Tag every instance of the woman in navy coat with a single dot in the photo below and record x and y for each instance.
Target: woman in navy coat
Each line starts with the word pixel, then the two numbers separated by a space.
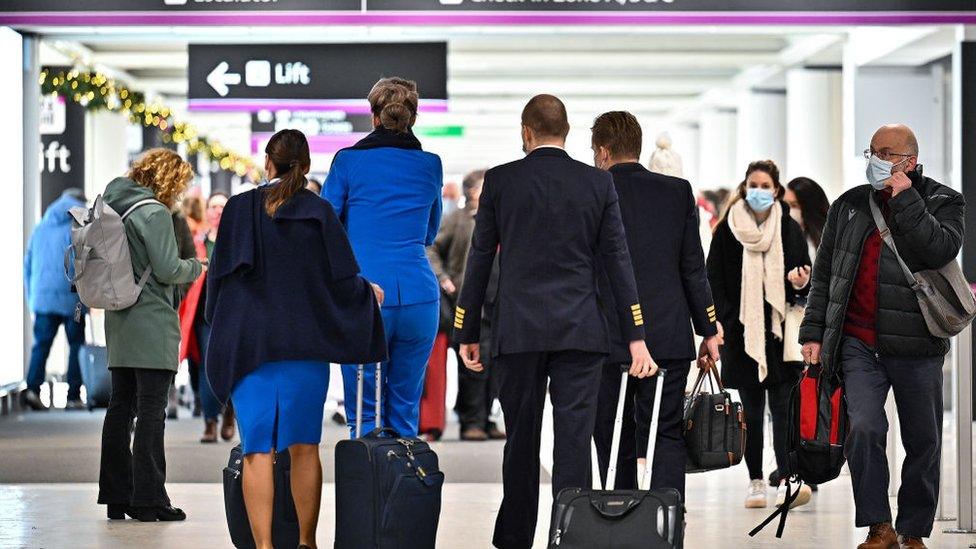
pixel 284 300
pixel 386 191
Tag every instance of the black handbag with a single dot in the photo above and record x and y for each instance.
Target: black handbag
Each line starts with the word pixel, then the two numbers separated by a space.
pixel 714 424
pixel 620 519
pixel 284 523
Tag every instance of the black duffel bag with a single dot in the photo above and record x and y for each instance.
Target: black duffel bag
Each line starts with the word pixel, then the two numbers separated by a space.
pixel 714 424
pixel 284 525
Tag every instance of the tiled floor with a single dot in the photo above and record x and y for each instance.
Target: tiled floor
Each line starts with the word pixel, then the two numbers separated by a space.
pixel 55 516
pixel 49 469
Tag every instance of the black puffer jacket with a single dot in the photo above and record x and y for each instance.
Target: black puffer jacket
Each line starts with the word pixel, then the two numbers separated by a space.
pixel 927 223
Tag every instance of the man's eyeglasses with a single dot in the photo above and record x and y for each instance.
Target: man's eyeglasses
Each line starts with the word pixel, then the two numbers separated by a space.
pixel 884 155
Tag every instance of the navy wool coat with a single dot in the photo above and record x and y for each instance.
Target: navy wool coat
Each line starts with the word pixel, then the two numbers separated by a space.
pixel 286 288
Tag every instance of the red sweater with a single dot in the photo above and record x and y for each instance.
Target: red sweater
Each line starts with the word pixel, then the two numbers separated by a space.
pixel 862 307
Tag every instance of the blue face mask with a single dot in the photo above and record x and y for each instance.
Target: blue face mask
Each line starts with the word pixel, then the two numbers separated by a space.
pixel 879 171
pixel 760 200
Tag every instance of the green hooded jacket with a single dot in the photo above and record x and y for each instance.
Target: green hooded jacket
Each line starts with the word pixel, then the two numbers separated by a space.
pixel 147 334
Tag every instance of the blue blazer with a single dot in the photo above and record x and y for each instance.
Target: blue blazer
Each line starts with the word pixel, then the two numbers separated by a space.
pixel 389 199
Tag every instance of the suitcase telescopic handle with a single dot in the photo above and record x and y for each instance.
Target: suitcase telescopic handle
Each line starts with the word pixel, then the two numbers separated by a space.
pixel 360 377
pixel 618 427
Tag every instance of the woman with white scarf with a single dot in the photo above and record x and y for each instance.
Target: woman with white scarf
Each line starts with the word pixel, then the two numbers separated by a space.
pixel 758 266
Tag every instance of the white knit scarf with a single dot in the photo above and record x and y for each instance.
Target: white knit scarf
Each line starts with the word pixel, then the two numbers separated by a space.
pixel 763 276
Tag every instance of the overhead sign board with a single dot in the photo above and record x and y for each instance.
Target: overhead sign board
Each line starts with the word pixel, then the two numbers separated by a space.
pixel 311 122
pixel 304 13
pixel 259 6
pixel 670 5
pixel 242 77
pixel 177 5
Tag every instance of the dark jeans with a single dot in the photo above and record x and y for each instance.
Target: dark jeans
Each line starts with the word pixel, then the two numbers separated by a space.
pixel 670 455
pixel 754 407
pixel 574 381
pixel 45 329
pixel 917 383
pixel 137 476
pixel 477 392
pixel 208 400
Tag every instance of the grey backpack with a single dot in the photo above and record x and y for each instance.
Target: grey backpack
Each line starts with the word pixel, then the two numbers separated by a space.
pixel 99 255
pixel 943 294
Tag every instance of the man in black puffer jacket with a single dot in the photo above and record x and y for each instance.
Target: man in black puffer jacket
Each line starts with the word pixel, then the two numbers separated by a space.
pixel 863 321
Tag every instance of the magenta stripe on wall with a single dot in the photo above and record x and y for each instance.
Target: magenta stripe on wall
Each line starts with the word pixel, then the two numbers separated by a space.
pixel 483 18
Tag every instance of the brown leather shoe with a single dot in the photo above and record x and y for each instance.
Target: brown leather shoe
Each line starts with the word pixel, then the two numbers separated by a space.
pixel 881 536
pixel 209 433
pixel 474 434
pixel 494 433
pixel 228 429
pixel 910 542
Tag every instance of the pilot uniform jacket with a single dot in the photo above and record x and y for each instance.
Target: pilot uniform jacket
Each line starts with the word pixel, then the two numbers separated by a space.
pixel 551 219
pixel 660 217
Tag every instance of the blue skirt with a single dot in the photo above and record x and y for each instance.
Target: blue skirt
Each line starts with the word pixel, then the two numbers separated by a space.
pixel 281 404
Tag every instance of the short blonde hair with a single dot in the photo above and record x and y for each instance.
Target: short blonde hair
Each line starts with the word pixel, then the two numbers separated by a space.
pixel 164 172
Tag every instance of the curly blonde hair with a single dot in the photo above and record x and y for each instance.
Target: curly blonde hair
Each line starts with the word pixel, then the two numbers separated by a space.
pixel 163 171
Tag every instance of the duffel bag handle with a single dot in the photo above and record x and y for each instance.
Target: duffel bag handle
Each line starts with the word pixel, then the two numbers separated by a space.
pixel 710 371
pixel 379 431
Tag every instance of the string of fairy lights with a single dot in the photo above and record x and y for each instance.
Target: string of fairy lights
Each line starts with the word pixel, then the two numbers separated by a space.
pixel 95 91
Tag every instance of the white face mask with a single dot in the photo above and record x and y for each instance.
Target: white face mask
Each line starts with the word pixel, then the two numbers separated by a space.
pixel 879 171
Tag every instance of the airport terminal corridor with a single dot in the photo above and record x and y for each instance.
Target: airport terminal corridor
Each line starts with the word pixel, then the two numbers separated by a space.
pixel 524 209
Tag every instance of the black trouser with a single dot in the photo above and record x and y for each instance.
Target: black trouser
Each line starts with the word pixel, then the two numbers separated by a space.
pixel 477 392
pixel 574 380
pixel 754 407
pixel 137 476
pixel 917 383
pixel 670 455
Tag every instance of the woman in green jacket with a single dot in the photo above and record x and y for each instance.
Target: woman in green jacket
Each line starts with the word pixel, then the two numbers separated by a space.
pixel 143 341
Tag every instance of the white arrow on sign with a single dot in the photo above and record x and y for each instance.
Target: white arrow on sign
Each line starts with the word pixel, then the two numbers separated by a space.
pixel 219 78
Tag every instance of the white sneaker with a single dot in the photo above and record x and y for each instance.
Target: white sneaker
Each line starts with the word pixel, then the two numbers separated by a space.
pixel 756 497
pixel 804 498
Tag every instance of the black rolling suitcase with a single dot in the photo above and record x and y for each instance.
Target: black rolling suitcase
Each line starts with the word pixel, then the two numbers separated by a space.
pixel 620 519
pixel 388 487
pixel 284 522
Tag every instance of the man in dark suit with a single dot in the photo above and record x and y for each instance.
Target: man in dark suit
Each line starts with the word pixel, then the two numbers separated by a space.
pixel 551 219
pixel 660 217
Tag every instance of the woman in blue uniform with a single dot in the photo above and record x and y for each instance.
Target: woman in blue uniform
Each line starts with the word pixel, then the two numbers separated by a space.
pixel 387 192
pixel 284 299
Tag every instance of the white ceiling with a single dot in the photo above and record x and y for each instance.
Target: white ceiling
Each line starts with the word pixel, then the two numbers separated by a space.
pixel 665 76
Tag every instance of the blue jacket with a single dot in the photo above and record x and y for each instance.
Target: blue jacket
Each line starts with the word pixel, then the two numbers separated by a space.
pixel 387 192
pixel 48 291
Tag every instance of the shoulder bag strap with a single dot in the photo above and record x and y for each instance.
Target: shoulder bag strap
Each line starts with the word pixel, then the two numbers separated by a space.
pixel 139 204
pixel 890 241
pixel 145 275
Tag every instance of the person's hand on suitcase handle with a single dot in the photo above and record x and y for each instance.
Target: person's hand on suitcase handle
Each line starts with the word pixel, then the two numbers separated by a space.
pixel 642 365
pixel 471 355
